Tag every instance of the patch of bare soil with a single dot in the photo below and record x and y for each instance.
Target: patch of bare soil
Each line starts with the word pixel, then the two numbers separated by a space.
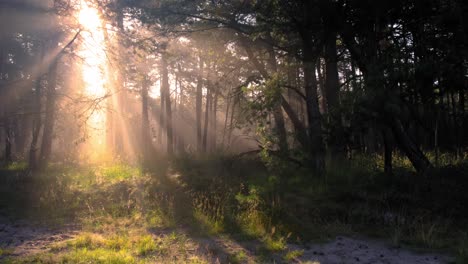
pixel 349 250
pixel 21 238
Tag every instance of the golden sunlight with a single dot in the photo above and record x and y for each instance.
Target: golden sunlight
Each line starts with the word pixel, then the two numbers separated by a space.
pixel 94 72
pixel 88 17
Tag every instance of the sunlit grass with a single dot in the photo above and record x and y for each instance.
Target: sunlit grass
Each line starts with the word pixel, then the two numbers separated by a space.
pixel 126 215
pixel 238 257
pixel 293 255
pixel 145 245
pixel 118 172
pixel 17 166
pixel 99 255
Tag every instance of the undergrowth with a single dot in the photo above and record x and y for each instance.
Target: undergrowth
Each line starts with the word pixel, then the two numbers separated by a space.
pixel 120 208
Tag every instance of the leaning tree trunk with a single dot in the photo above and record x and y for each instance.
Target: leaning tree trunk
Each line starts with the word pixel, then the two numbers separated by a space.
pixel 412 151
pixel 277 111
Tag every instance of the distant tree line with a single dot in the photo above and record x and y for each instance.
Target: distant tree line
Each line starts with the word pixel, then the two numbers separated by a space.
pixel 304 79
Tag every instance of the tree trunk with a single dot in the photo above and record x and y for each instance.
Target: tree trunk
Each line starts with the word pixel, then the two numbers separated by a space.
pixel 167 96
pixel 214 122
pixel 388 150
pixel 228 104
pixel 332 93
pixel 205 127
pixel 199 103
pixel 37 125
pixel 277 111
pixel 162 120
pixel 412 151
pixel 316 147
pixel 47 137
pixel 145 128
pixel 8 139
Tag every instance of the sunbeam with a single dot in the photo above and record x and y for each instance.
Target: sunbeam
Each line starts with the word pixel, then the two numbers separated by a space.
pixel 94 72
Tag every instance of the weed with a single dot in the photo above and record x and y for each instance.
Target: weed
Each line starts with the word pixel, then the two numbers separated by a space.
pixel 238 257
pixel 17 166
pixel 293 255
pixel 145 245
pixel 275 244
pixel 6 251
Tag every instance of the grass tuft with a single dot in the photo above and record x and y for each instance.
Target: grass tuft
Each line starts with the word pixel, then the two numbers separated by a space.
pixel 145 245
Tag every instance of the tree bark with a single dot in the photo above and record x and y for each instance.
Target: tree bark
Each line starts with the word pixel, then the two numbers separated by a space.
pixel 332 93
pixel 207 116
pixel 277 111
pixel 49 123
pixel 37 125
pixel 8 139
pixel 388 151
pixel 145 128
pixel 316 147
pixel 412 151
pixel 199 103
pixel 214 122
pixel 162 107
pixel 167 97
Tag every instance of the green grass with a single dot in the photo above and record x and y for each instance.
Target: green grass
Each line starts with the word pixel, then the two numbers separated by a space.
pixel 146 245
pixel 292 255
pixel 5 251
pixel 17 166
pixel 238 257
pixel 118 172
pixel 99 255
pixel 118 207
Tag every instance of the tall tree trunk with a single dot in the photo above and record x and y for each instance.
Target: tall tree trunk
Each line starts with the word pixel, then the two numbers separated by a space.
pixel 145 128
pixel 332 90
pixel 8 139
pixel 47 137
pixel 388 150
pixel 277 111
pixel 20 129
pixel 207 117
pixel 321 78
pixel 167 97
pixel 228 104
pixel 162 107
pixel 316 147
pixel 214 122
pixel 37 125
pixel 199 102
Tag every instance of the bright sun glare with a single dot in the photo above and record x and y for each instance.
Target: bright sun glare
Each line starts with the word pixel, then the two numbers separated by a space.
pixel 94 69
pixel 89 17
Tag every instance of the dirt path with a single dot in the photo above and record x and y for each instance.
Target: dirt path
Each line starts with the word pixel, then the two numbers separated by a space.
pixel 349 250
pixel 21 239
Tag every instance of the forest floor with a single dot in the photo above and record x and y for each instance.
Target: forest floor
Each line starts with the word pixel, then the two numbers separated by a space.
pixel 24 242
pixel 107 215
